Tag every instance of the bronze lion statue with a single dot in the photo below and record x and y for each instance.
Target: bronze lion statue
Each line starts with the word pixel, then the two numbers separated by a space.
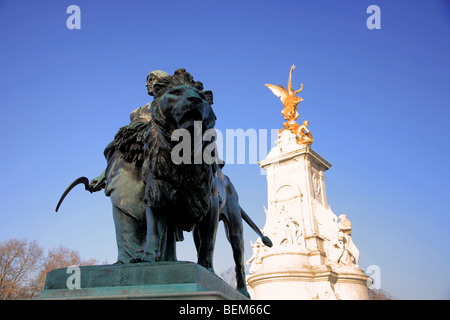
pixel 155 196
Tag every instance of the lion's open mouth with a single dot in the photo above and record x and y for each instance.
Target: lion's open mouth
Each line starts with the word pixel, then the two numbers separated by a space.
pixel 189 119
pixel 193 119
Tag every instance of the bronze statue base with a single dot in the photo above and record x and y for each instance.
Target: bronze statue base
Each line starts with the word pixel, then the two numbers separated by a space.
pixel 140 281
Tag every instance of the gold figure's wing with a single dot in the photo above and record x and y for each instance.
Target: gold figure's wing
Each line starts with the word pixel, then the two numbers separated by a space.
pixel 280 92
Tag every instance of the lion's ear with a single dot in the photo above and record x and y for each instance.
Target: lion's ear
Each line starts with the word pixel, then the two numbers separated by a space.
pixel 209 96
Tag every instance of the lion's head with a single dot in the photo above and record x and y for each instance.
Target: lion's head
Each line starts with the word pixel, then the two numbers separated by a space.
pixel 179 102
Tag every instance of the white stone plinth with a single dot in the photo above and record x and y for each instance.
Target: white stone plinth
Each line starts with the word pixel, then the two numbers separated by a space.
pixel 308 283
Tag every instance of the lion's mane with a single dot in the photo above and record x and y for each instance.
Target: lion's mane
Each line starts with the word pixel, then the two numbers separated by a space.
pixel 182 191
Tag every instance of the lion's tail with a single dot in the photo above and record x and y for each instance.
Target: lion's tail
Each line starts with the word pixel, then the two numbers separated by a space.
pixel 266 240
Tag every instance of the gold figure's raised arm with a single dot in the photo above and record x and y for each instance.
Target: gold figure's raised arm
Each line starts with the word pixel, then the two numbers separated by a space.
pixel 299 90
pixel 291 92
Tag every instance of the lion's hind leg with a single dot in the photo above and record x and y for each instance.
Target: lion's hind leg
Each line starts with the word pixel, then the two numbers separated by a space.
pixel 234 231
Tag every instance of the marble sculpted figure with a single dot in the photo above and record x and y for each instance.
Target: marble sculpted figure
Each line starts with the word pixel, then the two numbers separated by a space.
pixel 342 251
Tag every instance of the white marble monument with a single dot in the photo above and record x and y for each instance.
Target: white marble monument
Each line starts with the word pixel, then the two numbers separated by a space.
pixel 313 255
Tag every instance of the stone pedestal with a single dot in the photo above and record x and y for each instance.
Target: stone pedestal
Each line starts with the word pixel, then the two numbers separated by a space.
pixel 157 281
pixel 313 256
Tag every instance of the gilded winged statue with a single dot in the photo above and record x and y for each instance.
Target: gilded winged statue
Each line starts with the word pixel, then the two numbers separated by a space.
pixel 290 102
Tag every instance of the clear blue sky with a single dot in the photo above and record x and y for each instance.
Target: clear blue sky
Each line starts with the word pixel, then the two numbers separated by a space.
pixel 376 101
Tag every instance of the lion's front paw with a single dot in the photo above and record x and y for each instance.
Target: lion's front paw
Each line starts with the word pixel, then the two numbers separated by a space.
pixel 143 256
pixel 139 257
